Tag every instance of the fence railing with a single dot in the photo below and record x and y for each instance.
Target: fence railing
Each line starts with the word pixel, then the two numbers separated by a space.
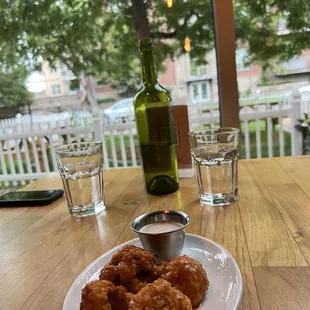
pixel 267 131
pixel 45 122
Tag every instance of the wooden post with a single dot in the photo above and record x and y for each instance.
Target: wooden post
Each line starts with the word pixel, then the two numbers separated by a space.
pixel 296 136
pixel 224 28
pixel 99 136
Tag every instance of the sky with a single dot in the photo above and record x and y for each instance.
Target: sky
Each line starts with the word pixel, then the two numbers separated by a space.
pixel 35 83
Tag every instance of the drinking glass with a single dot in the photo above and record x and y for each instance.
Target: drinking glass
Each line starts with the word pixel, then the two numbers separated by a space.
pixel 81 168
pixel 215 153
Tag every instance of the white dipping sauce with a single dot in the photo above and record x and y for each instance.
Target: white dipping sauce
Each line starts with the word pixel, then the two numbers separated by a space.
pixel 161 227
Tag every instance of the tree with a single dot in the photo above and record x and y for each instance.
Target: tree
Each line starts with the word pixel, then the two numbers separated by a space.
pixel 274 30
pixel 13 92
pixel 94 37
pixel 99 37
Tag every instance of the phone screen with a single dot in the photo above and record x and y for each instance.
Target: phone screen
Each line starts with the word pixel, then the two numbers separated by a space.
pixel 31 195
pixel 30 198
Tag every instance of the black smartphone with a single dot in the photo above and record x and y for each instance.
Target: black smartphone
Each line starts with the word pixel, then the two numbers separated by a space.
pixel 30 198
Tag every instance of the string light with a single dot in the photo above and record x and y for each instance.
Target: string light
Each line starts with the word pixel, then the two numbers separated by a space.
pixel 169 3
pixel 187 44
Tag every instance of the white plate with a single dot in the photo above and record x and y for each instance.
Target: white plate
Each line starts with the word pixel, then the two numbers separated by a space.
pixel 225 289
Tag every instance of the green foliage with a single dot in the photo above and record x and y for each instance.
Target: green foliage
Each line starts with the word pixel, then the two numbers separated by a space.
pixel 304 125
pixel 106 100
pixel 266 82
pixel 12 87
pixel 257 26
pixel 99 37
pixel 264 141
pixel 74 84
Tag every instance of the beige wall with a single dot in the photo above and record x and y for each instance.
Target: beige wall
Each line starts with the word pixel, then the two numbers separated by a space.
pixel 54 78
pixel 51 104
pixel 182 72
pixel 106 91
pixel 212 70
pixel 247 78
pixel 177 78
pixel 183 77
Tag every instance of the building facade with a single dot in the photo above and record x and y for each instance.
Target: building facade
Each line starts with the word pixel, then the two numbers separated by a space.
pixel 188 84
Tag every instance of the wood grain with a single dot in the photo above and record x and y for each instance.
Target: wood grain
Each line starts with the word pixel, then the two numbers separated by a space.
pixel 185 200
pixel 283 287
pixel 294 164
pixel 270 171
pixel 54 236
pixel 269 240
pixel 44 249
pixel 298 168
pixel 294 205
pixel 100 238
pixel 224 225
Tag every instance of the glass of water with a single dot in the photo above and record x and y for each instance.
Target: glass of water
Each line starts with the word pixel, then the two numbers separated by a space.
pixel 215 153
pixel 81 168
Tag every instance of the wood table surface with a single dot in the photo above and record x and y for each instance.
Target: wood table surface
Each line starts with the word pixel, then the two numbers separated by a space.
pixel 43 249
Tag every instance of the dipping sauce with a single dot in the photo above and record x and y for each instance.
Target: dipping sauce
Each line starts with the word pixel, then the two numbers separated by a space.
pixel 161 227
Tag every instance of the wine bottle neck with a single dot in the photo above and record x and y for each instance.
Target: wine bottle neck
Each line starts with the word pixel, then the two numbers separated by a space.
pixel 147 63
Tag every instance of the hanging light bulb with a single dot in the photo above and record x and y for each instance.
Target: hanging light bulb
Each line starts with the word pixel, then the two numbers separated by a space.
pixel 187 44
pixel 169 3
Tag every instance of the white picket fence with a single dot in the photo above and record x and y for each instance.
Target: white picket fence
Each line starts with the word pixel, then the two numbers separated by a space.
pixel 26 150
pixel 305 102
pixel 45 122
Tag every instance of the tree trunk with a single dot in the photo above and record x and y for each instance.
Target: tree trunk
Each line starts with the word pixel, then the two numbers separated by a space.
pixel 87 83
pixel 140 20
pixel 30 112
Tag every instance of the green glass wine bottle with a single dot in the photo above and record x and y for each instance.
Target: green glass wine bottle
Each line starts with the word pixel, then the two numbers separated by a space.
pixel 156 130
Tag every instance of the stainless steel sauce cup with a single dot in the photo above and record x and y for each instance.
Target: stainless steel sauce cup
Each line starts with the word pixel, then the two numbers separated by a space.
pixel 163 246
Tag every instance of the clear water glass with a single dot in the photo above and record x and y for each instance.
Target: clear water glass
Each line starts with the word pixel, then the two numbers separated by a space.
pixel 81 168
pixel 215 154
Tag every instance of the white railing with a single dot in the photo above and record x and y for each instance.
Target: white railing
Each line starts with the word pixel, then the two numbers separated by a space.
pixel 261 102
pixel 26 153
pixel 45 122
pixel 285 114
pixel 305 102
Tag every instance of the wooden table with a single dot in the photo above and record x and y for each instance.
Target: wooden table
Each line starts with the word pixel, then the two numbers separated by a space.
pixel 43 249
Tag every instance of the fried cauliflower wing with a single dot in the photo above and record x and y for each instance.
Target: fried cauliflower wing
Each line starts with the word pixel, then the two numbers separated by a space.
pixel 136 284
pixel 103 295
pixel 132 281
pixel 159 295
pixel 132 267
pixel 188 276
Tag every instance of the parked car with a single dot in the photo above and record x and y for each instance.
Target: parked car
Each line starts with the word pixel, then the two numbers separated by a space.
pixel 120 112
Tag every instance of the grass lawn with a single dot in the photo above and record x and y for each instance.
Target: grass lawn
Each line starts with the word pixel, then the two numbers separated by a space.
pixel 264 140
pixel 252 137
pixel 117 142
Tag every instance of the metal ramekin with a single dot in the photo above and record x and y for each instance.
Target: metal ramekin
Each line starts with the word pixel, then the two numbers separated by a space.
pixel 163 246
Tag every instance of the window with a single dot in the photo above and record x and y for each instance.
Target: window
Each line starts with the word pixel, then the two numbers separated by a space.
pixel 198 70
pixel 241 59
pixel 193 69
pixel 195 94
pixel 56 90
pixel 200 91
pixel 204 91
